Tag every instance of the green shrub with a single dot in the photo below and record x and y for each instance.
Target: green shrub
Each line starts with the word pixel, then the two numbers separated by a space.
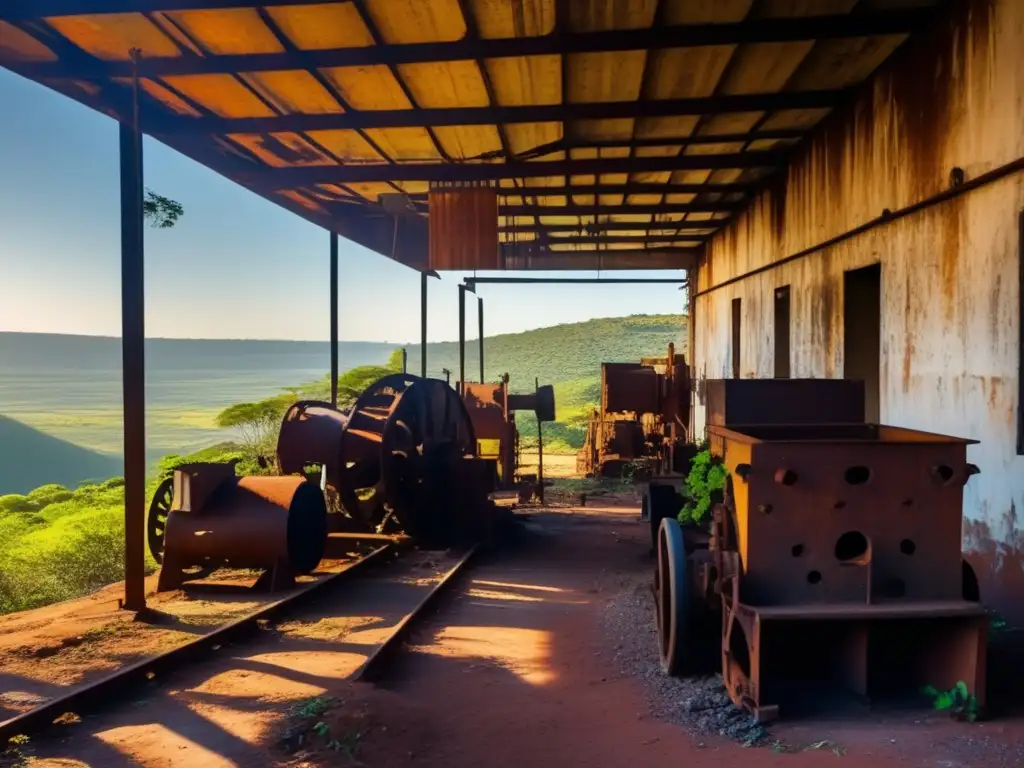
pixel 704 487
pixel 15 502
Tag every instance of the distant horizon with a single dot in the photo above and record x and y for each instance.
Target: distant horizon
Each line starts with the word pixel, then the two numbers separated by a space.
pixel 415 342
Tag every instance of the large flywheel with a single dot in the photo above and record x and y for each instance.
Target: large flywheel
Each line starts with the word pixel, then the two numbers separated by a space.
pixel 399 452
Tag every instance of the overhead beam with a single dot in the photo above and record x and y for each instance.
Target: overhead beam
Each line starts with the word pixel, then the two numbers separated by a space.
pixel 665 258
pixel 611 210
pixel 639 241
pixel 615 226
pixel 616 189
pixel 571 280
pixel 765 30
pixel 164 122
pixel 343 174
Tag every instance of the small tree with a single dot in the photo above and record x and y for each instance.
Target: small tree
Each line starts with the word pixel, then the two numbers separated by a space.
pixel 161 212
pixel 256 423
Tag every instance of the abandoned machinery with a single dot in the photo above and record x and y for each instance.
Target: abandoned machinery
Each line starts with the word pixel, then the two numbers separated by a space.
pixel 642 419
pixel 492 411
pixel 833 559
pixel 402 459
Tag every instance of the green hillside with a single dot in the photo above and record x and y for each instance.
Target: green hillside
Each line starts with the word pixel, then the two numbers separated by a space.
pixel 30 458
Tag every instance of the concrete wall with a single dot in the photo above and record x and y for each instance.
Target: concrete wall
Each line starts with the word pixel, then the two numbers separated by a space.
pixel 949 303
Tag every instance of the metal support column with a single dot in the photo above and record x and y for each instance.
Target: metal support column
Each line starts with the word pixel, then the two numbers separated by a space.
pixel 480 315
pixel 423 324
pixel 133 368
pixel 334 319
pixel 462 336
pixel 540 451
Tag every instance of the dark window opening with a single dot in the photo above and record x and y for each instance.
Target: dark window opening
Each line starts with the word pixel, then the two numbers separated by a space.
pixel 782 332
pixel 736 317
pixel 862 334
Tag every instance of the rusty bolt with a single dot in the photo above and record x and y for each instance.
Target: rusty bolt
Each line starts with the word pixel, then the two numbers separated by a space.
pixel 785 477
pixel 743 470
pixel 765 509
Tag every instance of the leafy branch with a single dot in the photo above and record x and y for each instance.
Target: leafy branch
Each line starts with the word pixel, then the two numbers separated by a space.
pixel 704 488
pixel 961 703
pixel 161 212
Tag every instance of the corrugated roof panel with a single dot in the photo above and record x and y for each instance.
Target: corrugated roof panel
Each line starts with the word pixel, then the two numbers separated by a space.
pixel 643 199
pixel 165 96
pixel 615 129
pixel 844 62
pixel 224 95
pixel 16 45
pixel 413 187
pixel 466 141
pixel 789 8
pixel 583 153
pixel 565 220
pixel 168 27
pixel 725 176
pixel 111 36
pixel 346 144
pixel 513 200
pixel 404 144
pixel 526 80
pixel 675 244
pixel 629 218
pixel 763 67
pixel 282 150
pixel 330 191
pixel 298 197
pixel 417 21
pixel 607 76
pixel 551 200
pixel 445 84
pixel 228 31
pixel 714 149
pixel 371 190
pixel 611 200
pixel 667 150
pixel 651 177
pixel 613 178
pixel 370 87
pixel 293 91
pixel 516 237
pixel 584 199
pixel 516 221
pixel 705 11
pixel 666 127
pixel 730 122
pixel 513 18
pixel 547 181
pixel 600 15
pixel 680 198
pixel 526 136
pixel 690 177
pixel 795 118
pixel 318 27
pixel 582 179
pixel 686 73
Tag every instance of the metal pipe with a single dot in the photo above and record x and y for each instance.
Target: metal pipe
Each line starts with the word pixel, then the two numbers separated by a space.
pixel 887 217
pixel 462 336
pixel 423 324
pixel 133 370
pixel 334 319
pixel 480 316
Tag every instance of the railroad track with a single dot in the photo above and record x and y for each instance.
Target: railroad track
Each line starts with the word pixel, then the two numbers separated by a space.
pixel 369 569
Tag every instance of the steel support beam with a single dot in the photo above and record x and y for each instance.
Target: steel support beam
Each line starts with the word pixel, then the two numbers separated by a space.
pixel 762 30
pixel 480 318
pixel 586 261
pixel 334 319
pixel 423 324
pixel 133 367
pixel 636 188
pixel 474 281
pixel 164 122
pixel 616 226
pixel 462 338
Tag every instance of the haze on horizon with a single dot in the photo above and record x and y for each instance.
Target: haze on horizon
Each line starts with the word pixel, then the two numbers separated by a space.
pixel 236 266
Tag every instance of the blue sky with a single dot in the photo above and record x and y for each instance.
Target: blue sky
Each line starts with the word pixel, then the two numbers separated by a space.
pixel 235 266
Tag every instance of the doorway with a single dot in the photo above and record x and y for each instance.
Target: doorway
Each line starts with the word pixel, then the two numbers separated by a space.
pixel 782 332
pixel 862 334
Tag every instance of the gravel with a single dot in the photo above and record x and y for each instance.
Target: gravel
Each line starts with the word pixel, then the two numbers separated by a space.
pixel 699 704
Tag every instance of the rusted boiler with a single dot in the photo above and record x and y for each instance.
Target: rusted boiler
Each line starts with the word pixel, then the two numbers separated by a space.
pixel 834 559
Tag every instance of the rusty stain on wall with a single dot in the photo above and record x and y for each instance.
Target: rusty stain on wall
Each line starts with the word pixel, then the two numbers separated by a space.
pixel 949 303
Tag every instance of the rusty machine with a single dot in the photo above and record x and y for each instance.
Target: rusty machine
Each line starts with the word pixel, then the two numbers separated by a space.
pixel 402 459
pixel 642 420
pixel 833 560
pixel 492 411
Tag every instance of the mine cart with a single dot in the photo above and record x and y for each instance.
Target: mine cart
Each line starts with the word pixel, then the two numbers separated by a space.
pixel 833 563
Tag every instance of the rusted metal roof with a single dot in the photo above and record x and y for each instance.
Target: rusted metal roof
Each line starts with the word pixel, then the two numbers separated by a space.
pixel 621 133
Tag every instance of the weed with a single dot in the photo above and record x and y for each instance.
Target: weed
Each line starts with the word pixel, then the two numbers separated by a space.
pixel 312 707
pixel 704 488
pixel 958 701
pixel 18 752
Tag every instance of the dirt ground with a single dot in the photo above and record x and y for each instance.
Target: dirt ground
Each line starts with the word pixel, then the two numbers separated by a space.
pixel 517 668
pixel 555 465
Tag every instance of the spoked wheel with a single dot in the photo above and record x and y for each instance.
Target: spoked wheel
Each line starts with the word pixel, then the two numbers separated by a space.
pixel 156 525
pixel 426 435
pixel 672 596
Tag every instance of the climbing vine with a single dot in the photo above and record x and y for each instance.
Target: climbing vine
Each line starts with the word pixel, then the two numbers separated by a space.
pixel 704 488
